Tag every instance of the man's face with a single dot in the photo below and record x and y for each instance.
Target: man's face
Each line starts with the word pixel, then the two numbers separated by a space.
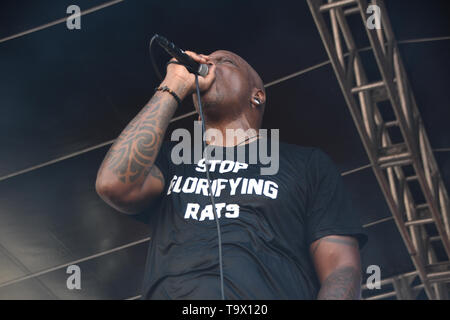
pixel 231 87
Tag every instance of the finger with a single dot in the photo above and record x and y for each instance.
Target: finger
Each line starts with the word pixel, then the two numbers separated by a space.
pixel 172 62
pixel 205 82
pixel 211 70
pixel 197 57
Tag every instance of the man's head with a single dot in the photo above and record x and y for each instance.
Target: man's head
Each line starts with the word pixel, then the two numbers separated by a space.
pixel 236 92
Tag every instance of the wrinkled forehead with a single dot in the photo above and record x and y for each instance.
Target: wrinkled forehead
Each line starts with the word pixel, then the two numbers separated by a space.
pixel 250 71
pixel 239 59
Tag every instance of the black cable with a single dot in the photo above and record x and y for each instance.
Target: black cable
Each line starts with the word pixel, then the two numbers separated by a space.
pixel 152 58
pixel 216 217
pixel 219 237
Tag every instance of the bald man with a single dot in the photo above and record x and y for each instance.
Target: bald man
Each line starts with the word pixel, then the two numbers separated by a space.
pixel 291 235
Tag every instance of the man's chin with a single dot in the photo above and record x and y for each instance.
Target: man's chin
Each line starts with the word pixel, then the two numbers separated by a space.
pixel 207 99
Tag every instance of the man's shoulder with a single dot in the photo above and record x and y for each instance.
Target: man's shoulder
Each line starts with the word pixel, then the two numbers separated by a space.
pixel 310 157
pixel 305 151
pixel 290 149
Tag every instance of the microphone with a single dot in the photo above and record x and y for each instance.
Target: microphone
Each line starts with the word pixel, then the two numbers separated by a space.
pixel 190 64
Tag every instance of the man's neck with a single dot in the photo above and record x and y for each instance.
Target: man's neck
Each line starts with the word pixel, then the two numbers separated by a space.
pixel 235 132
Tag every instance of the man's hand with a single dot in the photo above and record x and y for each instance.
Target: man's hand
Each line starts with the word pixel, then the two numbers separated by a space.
pixel 128 180
pixel 180 80
pixel 338 267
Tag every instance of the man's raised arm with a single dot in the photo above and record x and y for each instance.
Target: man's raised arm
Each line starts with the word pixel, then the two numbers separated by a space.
pixel 128 180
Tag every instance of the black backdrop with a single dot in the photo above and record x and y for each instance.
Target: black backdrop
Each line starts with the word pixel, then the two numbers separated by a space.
pixel 62 91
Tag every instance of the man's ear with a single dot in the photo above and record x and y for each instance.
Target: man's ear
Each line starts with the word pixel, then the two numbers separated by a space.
pixel 258 97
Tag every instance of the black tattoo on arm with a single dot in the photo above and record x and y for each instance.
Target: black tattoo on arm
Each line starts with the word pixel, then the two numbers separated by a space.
pixel 134 152
pixel 342 284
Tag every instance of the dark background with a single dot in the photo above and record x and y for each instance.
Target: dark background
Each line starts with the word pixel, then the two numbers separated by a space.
pixel 62 91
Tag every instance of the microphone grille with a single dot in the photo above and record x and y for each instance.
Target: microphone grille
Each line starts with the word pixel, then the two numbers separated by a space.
pixel 203 70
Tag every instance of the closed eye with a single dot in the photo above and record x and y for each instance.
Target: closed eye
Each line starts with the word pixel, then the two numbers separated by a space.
pixel 227 61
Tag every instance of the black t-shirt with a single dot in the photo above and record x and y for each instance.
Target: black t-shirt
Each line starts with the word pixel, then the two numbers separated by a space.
pixel 267 225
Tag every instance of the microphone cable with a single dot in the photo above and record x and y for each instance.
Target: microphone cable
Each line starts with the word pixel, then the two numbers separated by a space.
pixel 213 204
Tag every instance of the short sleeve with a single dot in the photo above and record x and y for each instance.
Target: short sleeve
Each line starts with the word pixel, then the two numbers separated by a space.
pixel 330 210
pixel 163 160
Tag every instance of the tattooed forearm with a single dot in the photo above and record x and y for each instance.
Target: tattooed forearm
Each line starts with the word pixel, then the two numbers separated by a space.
pixel 342 284
pixel 135 150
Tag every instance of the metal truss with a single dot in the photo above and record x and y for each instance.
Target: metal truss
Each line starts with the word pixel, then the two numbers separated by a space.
pixel 403 286
pixel 395 140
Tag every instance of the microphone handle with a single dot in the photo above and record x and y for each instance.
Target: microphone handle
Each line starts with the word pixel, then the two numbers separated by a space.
pixel 190 64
